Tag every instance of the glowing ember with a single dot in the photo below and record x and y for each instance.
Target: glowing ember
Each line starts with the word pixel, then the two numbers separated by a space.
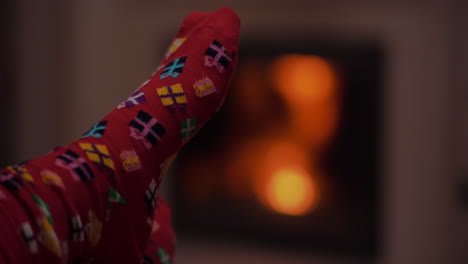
pixel 283 181
pixel 291 191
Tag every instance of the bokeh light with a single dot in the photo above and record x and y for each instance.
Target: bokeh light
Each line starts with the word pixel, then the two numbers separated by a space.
pixel 309 87
pixel 284 180
pixel 303 79
pixel 291 191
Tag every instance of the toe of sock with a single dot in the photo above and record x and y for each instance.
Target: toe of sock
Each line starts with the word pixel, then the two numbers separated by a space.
pixel 225 20
pixel 194 19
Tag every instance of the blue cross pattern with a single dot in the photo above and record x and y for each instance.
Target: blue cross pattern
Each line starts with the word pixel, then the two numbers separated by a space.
pixel 97 130
pixel 174 68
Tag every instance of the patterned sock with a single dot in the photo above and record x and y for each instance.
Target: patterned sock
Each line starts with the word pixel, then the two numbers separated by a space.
pixel 95 199
pixel 161 245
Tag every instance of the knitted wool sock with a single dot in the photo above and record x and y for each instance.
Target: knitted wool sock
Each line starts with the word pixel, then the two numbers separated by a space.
pixel 160 247
pixel 95 199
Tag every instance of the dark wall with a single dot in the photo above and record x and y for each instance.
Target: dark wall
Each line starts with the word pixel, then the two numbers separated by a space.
pixel 6 79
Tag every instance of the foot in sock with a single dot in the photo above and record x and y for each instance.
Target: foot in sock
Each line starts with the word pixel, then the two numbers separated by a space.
pixel 95 199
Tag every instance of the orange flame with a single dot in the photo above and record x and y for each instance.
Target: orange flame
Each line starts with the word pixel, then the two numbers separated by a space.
pixel 309 86
pixel 291 191
pixel 283 184
pixel 304 80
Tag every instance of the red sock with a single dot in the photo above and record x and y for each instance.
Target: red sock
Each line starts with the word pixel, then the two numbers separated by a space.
pixel 95 198
pixel 160 247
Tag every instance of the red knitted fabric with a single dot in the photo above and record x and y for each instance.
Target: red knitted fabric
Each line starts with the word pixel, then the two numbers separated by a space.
pixel 94 200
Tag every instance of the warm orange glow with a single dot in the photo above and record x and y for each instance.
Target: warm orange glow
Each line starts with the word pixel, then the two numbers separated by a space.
pixel 303 79
pixel 290 191
pixel 283 181
pixel 309 86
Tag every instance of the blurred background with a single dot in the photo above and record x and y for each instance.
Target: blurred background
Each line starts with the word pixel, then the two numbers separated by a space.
pixel 344 138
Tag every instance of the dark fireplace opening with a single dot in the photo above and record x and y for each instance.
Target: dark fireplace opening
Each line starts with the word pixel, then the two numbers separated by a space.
pixel 292 158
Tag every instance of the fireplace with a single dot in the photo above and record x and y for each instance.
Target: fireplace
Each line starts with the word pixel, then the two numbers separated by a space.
pixel 292 158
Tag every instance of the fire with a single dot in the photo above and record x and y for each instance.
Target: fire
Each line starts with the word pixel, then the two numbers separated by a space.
pixel 283 182
pixel 309 86
pixel 291 191
pixel 280 165
pixel 304 80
